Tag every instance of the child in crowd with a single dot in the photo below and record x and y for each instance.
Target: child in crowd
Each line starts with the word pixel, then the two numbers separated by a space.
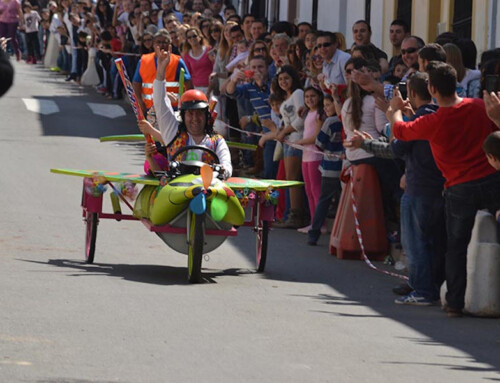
pixel 43 30
pixel 83 55
pixel 491 147
pixel 397 73
pixel 313 99
pixel 310 40
pixel 240 61
pixel 400 69
pixel 330 141
pixel 31 25
pixel 270 128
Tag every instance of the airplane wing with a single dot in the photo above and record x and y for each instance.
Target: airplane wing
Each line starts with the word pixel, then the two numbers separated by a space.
pixel 110 176
pixel 235 183
pixel 238 183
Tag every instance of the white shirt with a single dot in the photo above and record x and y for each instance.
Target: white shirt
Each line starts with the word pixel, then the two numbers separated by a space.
pixel 334 69
pixel 169 126
pixel 372 122
pixel 289 112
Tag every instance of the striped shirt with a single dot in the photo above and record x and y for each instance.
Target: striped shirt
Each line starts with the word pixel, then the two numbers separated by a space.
pixel 259 98
pixel 330 141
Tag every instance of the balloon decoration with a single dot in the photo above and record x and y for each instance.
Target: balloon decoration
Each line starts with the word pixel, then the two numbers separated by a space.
pixel 95 186
pixel 126 189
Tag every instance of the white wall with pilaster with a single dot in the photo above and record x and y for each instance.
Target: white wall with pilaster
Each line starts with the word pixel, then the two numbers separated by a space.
pixel 355 12
pixel 304 11
pixel 284 10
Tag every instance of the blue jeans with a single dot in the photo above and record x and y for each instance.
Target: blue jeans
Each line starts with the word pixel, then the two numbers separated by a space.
pixel 329 188
pixel 462 203
pixel 64 60
pixel 248 154
pixel 270 166
pixel 423 236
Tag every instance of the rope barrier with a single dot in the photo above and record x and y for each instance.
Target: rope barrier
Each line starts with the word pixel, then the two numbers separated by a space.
pixel 360 234
pixel 296 146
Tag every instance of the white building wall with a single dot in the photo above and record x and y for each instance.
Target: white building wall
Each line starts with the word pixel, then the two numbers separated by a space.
pixel 329 14
pixel 377 19
pixel 304 11
pixel 355 12
pixel 284 10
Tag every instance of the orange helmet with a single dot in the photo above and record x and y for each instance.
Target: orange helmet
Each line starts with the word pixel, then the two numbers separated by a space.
pixel 194 99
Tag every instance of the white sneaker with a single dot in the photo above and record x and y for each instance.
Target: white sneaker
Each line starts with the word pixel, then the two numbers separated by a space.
pixel 305 229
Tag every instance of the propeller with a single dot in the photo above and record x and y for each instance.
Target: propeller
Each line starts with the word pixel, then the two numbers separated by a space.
pixel 218 208
pixel 198 204
pixel 207 174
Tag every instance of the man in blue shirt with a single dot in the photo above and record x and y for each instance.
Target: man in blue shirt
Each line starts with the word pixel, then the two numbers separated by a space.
pixel 256 90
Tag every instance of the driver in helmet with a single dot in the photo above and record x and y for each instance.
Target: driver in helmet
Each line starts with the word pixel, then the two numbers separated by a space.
pixel 195 127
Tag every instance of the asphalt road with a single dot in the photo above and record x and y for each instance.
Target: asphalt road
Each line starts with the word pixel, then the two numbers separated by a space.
pixel 132 317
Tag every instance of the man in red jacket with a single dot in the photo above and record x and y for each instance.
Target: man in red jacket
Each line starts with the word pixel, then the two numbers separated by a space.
pixel 455 133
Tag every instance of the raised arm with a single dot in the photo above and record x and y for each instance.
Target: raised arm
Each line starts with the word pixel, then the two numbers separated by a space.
pixel 164 112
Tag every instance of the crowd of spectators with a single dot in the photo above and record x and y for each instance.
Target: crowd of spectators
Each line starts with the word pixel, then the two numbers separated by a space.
pixel 312 105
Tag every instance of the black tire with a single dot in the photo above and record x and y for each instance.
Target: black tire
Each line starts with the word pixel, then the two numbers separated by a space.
pixel 91 222
pixel 195 247
pixel 261 248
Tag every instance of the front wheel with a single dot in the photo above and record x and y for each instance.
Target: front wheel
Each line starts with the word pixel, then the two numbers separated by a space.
pixel 261 250
pixel 91 222
pixel 195 247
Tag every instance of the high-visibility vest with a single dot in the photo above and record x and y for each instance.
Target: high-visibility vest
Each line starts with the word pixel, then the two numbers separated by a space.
pixel 147 71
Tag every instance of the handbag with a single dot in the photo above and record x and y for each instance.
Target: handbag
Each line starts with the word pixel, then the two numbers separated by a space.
pixel 278 152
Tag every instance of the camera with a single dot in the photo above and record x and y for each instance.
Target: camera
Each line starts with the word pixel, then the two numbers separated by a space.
pixel 403 90
pixel 491 83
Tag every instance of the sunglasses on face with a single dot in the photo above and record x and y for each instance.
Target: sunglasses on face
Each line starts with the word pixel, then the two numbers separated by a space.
pixel 215 30
pixel 260 49
pixel 324 45
pixel 192 37
pixel 348 71
pixel 409 51
pixel 317 57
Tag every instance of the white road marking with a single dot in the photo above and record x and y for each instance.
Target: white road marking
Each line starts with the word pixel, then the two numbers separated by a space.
pixel 107 110
pixel 44 107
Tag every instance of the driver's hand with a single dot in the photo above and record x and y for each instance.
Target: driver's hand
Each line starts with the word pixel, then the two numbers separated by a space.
pixel 150 149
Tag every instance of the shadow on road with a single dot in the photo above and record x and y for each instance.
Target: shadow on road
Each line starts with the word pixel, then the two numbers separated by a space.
pixel 151 274
pixel 291 259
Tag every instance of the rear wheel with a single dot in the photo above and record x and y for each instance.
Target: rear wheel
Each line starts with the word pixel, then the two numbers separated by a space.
pixel 261 250
pixel 91 222
pixel 195 247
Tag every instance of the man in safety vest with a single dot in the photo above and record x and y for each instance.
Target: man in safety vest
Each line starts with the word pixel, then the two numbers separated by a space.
pixel 146 73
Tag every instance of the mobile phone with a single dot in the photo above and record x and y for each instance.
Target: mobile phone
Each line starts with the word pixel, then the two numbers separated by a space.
pixel 402 89
pixel 491 83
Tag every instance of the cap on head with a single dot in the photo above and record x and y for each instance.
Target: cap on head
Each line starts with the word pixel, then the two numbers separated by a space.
pixel 194 99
